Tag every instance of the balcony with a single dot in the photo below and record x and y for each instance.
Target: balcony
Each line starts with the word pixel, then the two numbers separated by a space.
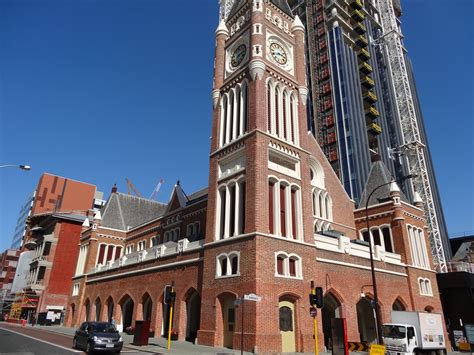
pixel 360 29
pixel 330 121
pixel 356 4
pixel 361 41
pixel 365 68
pixel 374 129
pixel 37 285
pixel 370 97
pixel 357 16
pixel 368 82
pixel 372 112
pixel 363 54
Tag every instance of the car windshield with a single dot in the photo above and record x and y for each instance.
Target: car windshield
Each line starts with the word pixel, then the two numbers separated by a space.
pixel 394 331
pixel 103 328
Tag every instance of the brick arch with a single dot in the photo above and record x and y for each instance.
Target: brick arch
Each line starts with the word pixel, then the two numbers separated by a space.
pixel 98 301
pixel 124 297
pixel 336 294
pixel 191 290
pixel 288 296
pixel 401 301
pixel 429 309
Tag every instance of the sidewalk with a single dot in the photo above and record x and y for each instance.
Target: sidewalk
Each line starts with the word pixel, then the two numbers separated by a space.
pixel 159 345
pixel 155 345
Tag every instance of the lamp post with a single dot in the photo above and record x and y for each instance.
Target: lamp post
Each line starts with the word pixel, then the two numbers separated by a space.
pixel 22 167
pixel 372 269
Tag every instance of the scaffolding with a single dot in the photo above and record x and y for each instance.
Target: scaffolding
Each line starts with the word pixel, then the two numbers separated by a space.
pixel 23 300
pixel 412 144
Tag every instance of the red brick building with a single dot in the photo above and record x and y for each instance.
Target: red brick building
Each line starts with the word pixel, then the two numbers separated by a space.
pixel 8 264
pixel 274 218
pixel 53 228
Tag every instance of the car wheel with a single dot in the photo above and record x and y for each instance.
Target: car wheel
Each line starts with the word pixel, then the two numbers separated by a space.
pixel 74 343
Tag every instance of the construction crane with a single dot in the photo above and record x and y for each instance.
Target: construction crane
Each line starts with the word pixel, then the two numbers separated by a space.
pixel 412 143
pixel 130 188
pixel 157 189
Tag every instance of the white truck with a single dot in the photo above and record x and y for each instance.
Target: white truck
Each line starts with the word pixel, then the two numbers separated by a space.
pixel 414 333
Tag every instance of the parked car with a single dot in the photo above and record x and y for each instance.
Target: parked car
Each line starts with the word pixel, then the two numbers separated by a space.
pixel 97 336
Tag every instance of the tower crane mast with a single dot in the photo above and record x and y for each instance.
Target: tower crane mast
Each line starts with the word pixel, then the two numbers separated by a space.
pixel 412 143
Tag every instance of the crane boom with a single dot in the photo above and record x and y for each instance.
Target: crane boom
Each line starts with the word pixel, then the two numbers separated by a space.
pixel 132 188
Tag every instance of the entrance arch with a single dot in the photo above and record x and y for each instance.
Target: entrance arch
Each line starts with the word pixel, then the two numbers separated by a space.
pixel 87 306
pixel 193 312
pixel 331 310
pixel 286 320
pixel 110 308
pixel 98 309
pixel 147 303
pixel 226 320
pixel 127 306
pixel 366 320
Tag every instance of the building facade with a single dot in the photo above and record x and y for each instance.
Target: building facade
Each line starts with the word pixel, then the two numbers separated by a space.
pixel 8 264
pixel 274 218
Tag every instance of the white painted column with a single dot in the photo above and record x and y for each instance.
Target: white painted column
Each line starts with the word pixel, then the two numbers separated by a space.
pixel 218 215
pixel 273 117
pixel 228 121
pixel 289 212
pixel 295 122
pixel 234 115
pixel 221 128
pixel 227 212
pixel 276 203
pixel 243 104
pixel 287 99
pixel 237 210
pixel 299 215
pixel 280 115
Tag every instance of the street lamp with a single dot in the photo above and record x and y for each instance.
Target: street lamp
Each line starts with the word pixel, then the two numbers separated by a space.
pixel 22 167
pixel 372 269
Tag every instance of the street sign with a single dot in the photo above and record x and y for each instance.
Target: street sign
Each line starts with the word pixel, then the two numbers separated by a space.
pixel 376 349
pixel 252 297
pixel 313 312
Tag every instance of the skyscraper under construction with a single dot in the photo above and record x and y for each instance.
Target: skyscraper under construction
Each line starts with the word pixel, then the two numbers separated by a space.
pixel 363 101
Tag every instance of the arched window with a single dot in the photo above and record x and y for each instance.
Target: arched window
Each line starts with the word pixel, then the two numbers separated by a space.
pixel 284 209
pixel 227 265
pixel 231 209
pixel 418 249
pixel 380 235
pixel 425 286
pixel 234 112
pixel 288 265
pixel 282 112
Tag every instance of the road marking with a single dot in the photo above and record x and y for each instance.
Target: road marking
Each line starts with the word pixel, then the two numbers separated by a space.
pixel 43 341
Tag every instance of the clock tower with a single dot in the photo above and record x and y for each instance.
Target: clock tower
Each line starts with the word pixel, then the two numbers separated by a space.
pixel 265 170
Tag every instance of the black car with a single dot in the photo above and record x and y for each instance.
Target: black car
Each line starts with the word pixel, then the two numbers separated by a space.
pixel 97 336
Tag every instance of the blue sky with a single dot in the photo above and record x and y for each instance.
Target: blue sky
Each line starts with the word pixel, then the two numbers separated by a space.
pixel 103 90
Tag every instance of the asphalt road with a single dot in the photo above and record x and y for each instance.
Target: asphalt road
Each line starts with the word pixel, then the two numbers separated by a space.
pixel 34 341
pixel 13 343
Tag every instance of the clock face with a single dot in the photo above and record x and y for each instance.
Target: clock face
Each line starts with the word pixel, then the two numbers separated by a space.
pixel 238 55
pixel 278 53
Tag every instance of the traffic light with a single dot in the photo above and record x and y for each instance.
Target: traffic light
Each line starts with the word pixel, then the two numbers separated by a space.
pixel 170 294
pixel 317 299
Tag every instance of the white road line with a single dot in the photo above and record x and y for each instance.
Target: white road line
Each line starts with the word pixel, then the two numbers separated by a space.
pixel 43 341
